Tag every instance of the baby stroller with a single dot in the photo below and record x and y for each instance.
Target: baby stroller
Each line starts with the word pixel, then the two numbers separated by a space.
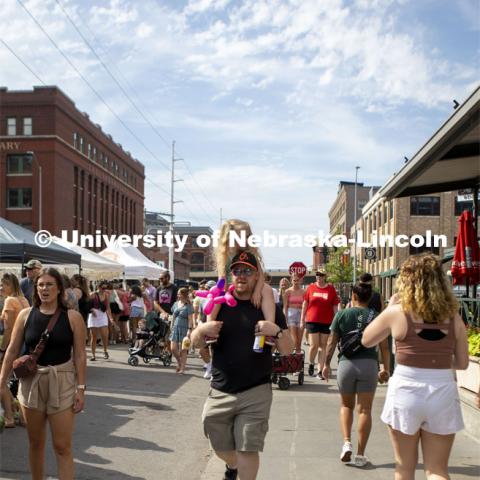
pixel 155 340
pixel 283 364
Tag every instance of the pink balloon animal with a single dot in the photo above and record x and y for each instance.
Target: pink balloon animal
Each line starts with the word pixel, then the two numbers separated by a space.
pixel 216 295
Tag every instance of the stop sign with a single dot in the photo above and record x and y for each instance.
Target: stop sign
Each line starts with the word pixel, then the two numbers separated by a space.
pixel 298 268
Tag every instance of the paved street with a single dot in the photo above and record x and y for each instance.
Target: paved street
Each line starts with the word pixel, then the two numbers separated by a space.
pixel 143 423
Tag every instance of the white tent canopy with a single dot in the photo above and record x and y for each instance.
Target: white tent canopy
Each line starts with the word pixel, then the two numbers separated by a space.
pixel 94 266
pixel 136 264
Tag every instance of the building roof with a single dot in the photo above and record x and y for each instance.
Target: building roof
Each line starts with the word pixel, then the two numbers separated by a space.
pixel 449 160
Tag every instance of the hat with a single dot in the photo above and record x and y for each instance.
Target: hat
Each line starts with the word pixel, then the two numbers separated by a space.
pixel 31 264
pixel 321 272
pixel 245 258
pixel 211 284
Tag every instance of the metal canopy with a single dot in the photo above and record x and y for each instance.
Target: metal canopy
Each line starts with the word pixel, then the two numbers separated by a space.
pixel 450 160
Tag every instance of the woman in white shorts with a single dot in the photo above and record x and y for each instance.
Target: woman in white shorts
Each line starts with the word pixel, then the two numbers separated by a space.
pixel 99 317
pixel 292 307
pixel 422 403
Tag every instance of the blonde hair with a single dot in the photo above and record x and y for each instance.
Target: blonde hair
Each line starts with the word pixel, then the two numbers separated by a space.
pixel 424 289
pixel 224 250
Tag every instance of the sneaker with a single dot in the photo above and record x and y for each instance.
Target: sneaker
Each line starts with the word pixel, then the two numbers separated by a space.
pixel 208 372
pixel 320 376
pixel 360 461
pixel 311 369
pixel 230 473
pixel 346 454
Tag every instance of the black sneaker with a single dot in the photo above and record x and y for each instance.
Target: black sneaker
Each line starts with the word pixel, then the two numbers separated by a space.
pixel 311 369
pixel 230 473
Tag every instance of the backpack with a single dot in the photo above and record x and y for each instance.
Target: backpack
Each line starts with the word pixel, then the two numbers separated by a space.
pixel 351 342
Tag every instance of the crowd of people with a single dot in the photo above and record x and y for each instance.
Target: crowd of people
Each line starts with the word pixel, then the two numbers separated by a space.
pixel 68 314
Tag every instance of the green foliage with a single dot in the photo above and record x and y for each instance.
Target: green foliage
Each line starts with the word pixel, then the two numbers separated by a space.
pixel 339 267
pixel 474 342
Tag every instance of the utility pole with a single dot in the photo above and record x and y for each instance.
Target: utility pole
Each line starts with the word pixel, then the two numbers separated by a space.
pixel 172 213
pixel 355 229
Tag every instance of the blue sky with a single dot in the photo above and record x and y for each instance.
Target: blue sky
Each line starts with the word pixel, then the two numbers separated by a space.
pixel 271 103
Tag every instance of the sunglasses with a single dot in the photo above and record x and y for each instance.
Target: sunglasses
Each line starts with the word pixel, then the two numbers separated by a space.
pixel 243 271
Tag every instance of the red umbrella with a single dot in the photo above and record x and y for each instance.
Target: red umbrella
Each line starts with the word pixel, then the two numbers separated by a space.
pixel 466 261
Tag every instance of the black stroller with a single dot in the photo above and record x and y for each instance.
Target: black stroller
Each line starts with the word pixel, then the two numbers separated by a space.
pixel 155 341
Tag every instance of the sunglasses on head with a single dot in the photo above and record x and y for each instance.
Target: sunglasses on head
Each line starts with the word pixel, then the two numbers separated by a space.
pixel 243 271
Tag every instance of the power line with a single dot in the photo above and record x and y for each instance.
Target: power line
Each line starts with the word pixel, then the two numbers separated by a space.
pixel 135 106
pixel 112 76
pixel 97 94
pixel 23 63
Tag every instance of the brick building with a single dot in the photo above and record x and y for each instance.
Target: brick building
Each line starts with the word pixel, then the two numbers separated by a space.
pixel 193 258
pixel 74 171
pixel 413 215
pixel 341 214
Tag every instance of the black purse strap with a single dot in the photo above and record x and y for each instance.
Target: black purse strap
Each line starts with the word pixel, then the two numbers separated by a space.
pixel 45 335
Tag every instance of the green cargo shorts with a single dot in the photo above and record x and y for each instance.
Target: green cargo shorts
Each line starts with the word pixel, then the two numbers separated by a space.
pixel 237 421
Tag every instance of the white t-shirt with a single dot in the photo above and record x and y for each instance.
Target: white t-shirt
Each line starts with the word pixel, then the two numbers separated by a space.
pixel 276 295
pixel 138 302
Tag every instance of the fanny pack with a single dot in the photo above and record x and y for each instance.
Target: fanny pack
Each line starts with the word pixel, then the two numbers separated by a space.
pixel 26 365
pixel 351 342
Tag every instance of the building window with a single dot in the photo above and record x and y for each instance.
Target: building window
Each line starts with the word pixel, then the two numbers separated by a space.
pixel 89 151
pixel 27 126
pixel 428 206
pixel 416 250
pixel 11 126
pixel 19 198
pixel 385 213
pixel 374 226
pixel 95 154
pixel 391 209
pixel 361 204
pixel 75 140
pixel 81 144
pixel 19 165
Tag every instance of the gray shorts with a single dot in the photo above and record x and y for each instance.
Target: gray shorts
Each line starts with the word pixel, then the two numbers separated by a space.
pixel 357 375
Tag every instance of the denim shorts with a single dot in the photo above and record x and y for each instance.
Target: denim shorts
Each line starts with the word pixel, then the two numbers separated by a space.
pixel 137 312
pixel 293 317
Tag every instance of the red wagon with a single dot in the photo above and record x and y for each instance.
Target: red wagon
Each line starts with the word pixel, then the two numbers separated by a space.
pixel 285 364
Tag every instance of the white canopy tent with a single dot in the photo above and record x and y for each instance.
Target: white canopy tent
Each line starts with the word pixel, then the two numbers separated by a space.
pixel 136 264
pixel 94 266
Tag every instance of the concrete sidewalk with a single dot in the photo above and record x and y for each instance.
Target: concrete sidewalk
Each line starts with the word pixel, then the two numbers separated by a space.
pixel 304 440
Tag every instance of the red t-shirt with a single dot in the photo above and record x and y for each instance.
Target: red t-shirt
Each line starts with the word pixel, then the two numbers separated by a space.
pixel 320 303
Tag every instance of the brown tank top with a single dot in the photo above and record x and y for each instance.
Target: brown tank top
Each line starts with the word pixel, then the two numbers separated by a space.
pixel 415 351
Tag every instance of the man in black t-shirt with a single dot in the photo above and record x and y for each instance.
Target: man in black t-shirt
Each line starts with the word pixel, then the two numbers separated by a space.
pixel 236 412
pixel 165 296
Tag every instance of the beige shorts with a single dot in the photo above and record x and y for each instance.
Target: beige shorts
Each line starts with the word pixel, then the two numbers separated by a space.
pixel 238 421
pixel 49 392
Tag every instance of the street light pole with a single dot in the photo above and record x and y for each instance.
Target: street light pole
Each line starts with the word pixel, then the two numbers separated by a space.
pixel 355 208
pixel 40 212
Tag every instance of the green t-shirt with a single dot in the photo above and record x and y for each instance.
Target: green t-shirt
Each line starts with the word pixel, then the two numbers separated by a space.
pixel 347 320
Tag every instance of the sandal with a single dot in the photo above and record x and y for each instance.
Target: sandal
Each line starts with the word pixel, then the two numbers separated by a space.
pixel 106 356
pixel 9 424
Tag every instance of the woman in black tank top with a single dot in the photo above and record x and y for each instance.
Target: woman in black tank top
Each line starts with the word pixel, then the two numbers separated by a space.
pixel 65 353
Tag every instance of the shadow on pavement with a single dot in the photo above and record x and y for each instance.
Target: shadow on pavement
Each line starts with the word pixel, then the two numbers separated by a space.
pixel 468 470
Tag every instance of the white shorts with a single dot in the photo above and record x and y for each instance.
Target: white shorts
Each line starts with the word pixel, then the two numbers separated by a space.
pixel 423 398
pixel 98 321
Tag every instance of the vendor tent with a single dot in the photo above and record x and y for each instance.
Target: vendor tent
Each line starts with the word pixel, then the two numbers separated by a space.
pixel 136 264
pixel 94 266
pixel 18 246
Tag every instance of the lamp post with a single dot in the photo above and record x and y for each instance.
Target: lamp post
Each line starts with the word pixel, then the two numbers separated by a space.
pixel 32 154
pixel 355 208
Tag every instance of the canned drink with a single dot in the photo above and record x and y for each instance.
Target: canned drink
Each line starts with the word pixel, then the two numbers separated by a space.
pixel 259 343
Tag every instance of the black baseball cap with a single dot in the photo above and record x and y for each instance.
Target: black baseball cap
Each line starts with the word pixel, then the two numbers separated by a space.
pixel 244 258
